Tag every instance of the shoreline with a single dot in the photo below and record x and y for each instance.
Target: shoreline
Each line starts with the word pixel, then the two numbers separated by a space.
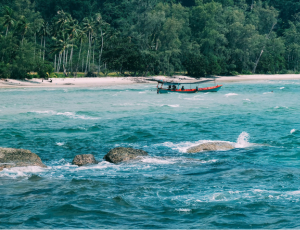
pixel 111 81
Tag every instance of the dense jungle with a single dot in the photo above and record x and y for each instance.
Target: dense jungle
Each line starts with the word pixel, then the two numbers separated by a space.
pixel 148 37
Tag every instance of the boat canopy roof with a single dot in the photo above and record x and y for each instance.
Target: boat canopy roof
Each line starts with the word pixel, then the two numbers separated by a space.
pixel 183 82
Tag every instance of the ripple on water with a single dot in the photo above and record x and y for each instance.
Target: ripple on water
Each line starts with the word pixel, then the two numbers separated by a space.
pixel 255 185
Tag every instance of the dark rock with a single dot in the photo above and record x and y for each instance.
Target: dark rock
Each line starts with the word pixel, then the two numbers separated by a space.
pixel 10 158
pixel 211 146
pixel 121 154
pixel 86 159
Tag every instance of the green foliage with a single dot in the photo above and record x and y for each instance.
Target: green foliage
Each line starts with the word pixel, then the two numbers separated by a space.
pixel 137 37
pixel 44 69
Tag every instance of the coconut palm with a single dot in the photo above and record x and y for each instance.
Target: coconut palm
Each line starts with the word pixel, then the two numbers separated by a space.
pixel 61 47
pixel 73 31
pixel 100 25
pixel 9 20
pixel 22 27
pixel 88 27
pixel 44 33
pixel 80 38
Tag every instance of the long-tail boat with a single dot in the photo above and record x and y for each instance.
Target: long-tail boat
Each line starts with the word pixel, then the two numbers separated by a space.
pixel 178 87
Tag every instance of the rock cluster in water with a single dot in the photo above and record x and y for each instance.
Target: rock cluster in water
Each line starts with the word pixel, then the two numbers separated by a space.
pixel 121 154
pixel 211 146
pixel 86 159
pixel 10 158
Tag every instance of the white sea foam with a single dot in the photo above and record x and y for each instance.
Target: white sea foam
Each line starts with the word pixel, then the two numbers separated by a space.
pixel 281 107
pixel 173 106
pixel 294 192
pixel 282 87
pixel 67 114
pixel 230 94
pixel 243 140
pixel 44 112
pixel 60 143
pixel 293 130
pixel 183 210
pixel 247 100
pixel 156 160
pixel 184 146
pixel 21 171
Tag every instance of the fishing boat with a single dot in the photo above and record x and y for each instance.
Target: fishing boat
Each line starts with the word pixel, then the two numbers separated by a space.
pixel 179 87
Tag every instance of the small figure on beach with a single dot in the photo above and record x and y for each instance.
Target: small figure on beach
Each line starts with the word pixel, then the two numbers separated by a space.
pixel 50 80
pixel 182 88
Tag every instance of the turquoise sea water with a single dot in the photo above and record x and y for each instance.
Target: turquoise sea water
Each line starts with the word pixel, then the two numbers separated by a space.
pixel 255 185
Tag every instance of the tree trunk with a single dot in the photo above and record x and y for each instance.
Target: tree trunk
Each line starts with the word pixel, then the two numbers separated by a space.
pixel 78 57
pixel 44 49
pixel 100 55
pixel 82 69
pixel 87 62
pixel 262 51
pixel 71 59
pixel 35 46
pixel 55 62
pixel 6 31
pixel 41 47
pixel 59 62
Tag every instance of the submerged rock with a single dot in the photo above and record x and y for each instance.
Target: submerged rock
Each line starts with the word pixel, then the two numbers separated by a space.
pixel 121 154
pixel 211 146
pixel 86 159
pixel 10 158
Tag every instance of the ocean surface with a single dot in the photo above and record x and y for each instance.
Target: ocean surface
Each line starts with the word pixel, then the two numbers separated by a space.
pixel 255 185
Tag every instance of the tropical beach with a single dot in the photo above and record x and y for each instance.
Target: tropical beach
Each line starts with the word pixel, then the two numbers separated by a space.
pixel 157 114
pixel 116 81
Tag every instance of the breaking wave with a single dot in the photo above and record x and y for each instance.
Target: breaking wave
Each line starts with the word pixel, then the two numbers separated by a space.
pixel 242 142
pixel 67 114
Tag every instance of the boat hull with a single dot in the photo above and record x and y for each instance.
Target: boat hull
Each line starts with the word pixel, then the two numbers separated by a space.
pixel 200 90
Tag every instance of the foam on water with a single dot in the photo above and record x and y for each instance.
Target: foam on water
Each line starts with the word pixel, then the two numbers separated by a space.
pixel 183 210
pixel 293 131
pixel 60 143
pixel 240 189
pixel 67 114
pixel 231 94
pixel 21 171
pixel 243 140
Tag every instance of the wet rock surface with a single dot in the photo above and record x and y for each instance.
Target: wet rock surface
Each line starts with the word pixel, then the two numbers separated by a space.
pixel 85 159
pixel 211 146
pixel 121 154
pixel 10 158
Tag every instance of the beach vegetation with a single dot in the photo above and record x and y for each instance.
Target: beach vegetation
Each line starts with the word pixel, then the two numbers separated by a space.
pixel 79 38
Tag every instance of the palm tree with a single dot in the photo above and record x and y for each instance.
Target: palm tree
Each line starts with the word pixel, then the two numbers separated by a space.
pixel 60 47
pixel 100 24
pixel 80 38
pixel 74 31
pixel 36 26
pixel 9 21
pixel 61 21
pixel 44 33
pixel 23 26
pixel 88 27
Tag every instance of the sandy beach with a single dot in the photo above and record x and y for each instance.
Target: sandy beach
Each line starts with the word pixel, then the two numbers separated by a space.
pixel 110 81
